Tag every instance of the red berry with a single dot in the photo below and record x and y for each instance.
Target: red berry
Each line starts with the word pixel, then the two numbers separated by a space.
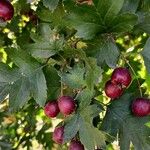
pixel 141 107
pixel 51 109
pixel 113 90
pixel 58 135
pixel 66 105
pixel 121 76
pixel 76 145
pixel 6 10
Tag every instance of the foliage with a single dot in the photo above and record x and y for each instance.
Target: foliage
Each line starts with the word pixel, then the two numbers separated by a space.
pixel 70 47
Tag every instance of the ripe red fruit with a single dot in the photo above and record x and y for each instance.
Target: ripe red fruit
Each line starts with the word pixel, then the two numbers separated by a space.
pixel 51 109
pixel 141 107
pixel 113 90
pixel 58 135
pixel 121 76
pixel 66 105
pixel 6 10
pixel 76 145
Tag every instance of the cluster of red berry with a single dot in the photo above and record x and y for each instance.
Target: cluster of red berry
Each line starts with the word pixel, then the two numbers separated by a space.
pixel 66 105
pixel 114 88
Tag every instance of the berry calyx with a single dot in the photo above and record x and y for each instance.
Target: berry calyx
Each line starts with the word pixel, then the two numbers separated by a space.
pixel 51 109
pixel 141 107
pixel 113 90
pixel 76 145
pixel 58 135
pixel 121 76
pixel 66 105
pixel 6 10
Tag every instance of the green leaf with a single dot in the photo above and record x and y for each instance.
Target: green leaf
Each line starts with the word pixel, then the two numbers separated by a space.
pixel 113 10
pixel 8 74
pixel 71 127
pixel 89 112
pixel 74 77
pixel 105 51
pixel 23 60
pixel 32 81
pixel 124 22
pixel 109 9
pixel 47 43
pixel 51 4
pixel 84 98
pixel 119 119
pixel 144 22
pixel 91 136
pixel 38 87
pixel 146 6
pixel 53 82
pixel 4 90
pixel 93 73
pixel 130 6
pixel 86 24
pixel 146 55
pixel 55 17
pixel 7 77
pixel 19 93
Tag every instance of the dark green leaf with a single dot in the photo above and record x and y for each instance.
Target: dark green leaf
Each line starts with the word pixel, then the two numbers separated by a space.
pixel 84 19
pixel 23 60
pixel 93 73
pixel 104 50
pixel 124 23
pixel 8 74
pixel 144 22
pixel 32 83
pixel 19 93
pixel 46 44
pixel 55 17
pixel 89 112
pixel 38 87
pixel 51 4
pixel 84 98
pixel 146 55
pixel 71 127
pixel 91 136
pixel 4 90
pixel 53 82
pixel 74 78
pixel 146 5
pixel 130 6
pixel 109 9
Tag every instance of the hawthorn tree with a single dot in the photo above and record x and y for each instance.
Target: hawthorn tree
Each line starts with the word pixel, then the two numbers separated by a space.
pixel 85 63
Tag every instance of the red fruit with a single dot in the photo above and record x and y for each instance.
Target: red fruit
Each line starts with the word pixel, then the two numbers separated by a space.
pixel 58 135
pixel 141 107
pixel 6 10
pixel 113 90
pixel 66 105
pixel 121 76
pixel 76 145
pixel 51 109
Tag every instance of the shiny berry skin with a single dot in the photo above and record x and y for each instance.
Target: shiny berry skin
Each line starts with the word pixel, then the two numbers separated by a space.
pixel 51 109
pixel 121 76
pixel 6 10
pixel 141 107
pixel 58 135
pixel 76 145
pixel 66 105
pixel 113 90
